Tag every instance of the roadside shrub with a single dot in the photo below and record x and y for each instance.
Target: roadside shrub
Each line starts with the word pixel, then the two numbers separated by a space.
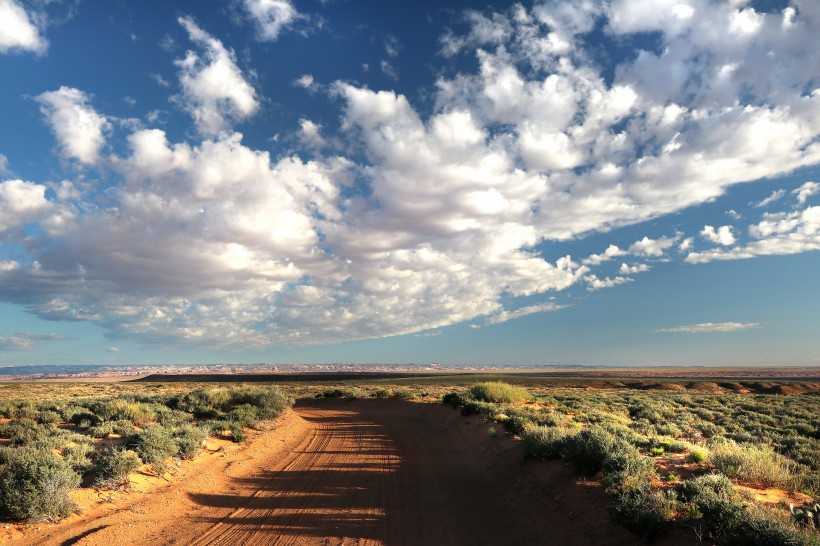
pixel 34 486
pixel 383 393
pixel 544 442
pixel 238 433
pixel 244 415
pixel 154 445
pixel 337 392
pixel 113 467
pixel 271 401
pixel 499 392
pixel 189 440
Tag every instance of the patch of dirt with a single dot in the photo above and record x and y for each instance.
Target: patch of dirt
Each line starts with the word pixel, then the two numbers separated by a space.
pixel 365 472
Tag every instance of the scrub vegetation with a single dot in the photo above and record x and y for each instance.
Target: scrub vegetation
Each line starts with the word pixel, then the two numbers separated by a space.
pixel 47 448
pixel 678 458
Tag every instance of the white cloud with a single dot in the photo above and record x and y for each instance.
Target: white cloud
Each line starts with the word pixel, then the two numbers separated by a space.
pixel 79 129
pixel 214 90
pixel 734 215
pixel 20 203
pixel 651 247
pixel 310 134
pixel 627 269
pixel 594 283
pixel 776 195
pixel 805 191
pixel 439 218
pixel 778 234
pixel 18 31
pixel 306 81
pixel 722 235
pixel 504 315
pixel 4 165
pixel 388 69
pixel 271 17
pixel 612 251
pixel 709 327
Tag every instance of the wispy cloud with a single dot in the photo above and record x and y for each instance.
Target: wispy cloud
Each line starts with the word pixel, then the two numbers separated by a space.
pixel 504 316
pixel 709 327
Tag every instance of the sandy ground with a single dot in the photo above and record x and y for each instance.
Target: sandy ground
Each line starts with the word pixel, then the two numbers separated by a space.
pixel 367 472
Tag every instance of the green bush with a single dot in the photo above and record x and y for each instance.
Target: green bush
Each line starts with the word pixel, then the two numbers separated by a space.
pixel 645 511
pixel 154 445
pixel 189 440
pixel 753 463
pixel 113 467
pixel 544 442
pixel 34 486
pixel 499 392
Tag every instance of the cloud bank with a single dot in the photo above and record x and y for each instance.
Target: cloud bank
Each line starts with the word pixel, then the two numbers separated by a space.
pixel 425 220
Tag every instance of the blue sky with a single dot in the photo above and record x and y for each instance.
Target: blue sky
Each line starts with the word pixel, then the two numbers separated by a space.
pixel 599 182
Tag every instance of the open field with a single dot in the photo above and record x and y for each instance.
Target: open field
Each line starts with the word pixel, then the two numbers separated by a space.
pixel 616 459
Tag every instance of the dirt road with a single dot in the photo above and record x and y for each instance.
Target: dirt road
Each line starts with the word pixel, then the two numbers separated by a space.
pixel 364 472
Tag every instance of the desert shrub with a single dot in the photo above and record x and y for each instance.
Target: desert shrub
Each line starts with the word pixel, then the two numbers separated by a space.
pixel 154 445
pixel 271 401
pixel 516 424
pixel 754 463
pixel 113 467
pixel 118 409
pixel 237 433
pixel 244 416
pixel 189 440
pixel 383 393
pixel 24 431
pixel 544 442
pixel 206 403
pixel 595 448
pixel 34 486
pixel 644 511
pixel 103 430
pixel 48 417
pixel 78 456
pixel 403 394
pixel 707 487
pixel 499 392
pixel 171 417
pixel 338 392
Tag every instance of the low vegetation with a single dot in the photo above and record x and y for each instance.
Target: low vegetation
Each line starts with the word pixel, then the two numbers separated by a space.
pixel 48 447
pixel 716 449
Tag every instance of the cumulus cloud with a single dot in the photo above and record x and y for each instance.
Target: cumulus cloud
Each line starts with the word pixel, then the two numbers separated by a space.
pixel 594 283
pixel 779 233
pixel 271 17
pixel 708 327
pixel 440 217
pixel 310 134
pixel 214 91
pixel 18 31
pixel 627 269
pixel 612 251
pixel 721 236
pixel 21 202
pixel 79 129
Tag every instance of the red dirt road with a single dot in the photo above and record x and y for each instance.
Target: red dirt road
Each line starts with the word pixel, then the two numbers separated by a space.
pixel 366 472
